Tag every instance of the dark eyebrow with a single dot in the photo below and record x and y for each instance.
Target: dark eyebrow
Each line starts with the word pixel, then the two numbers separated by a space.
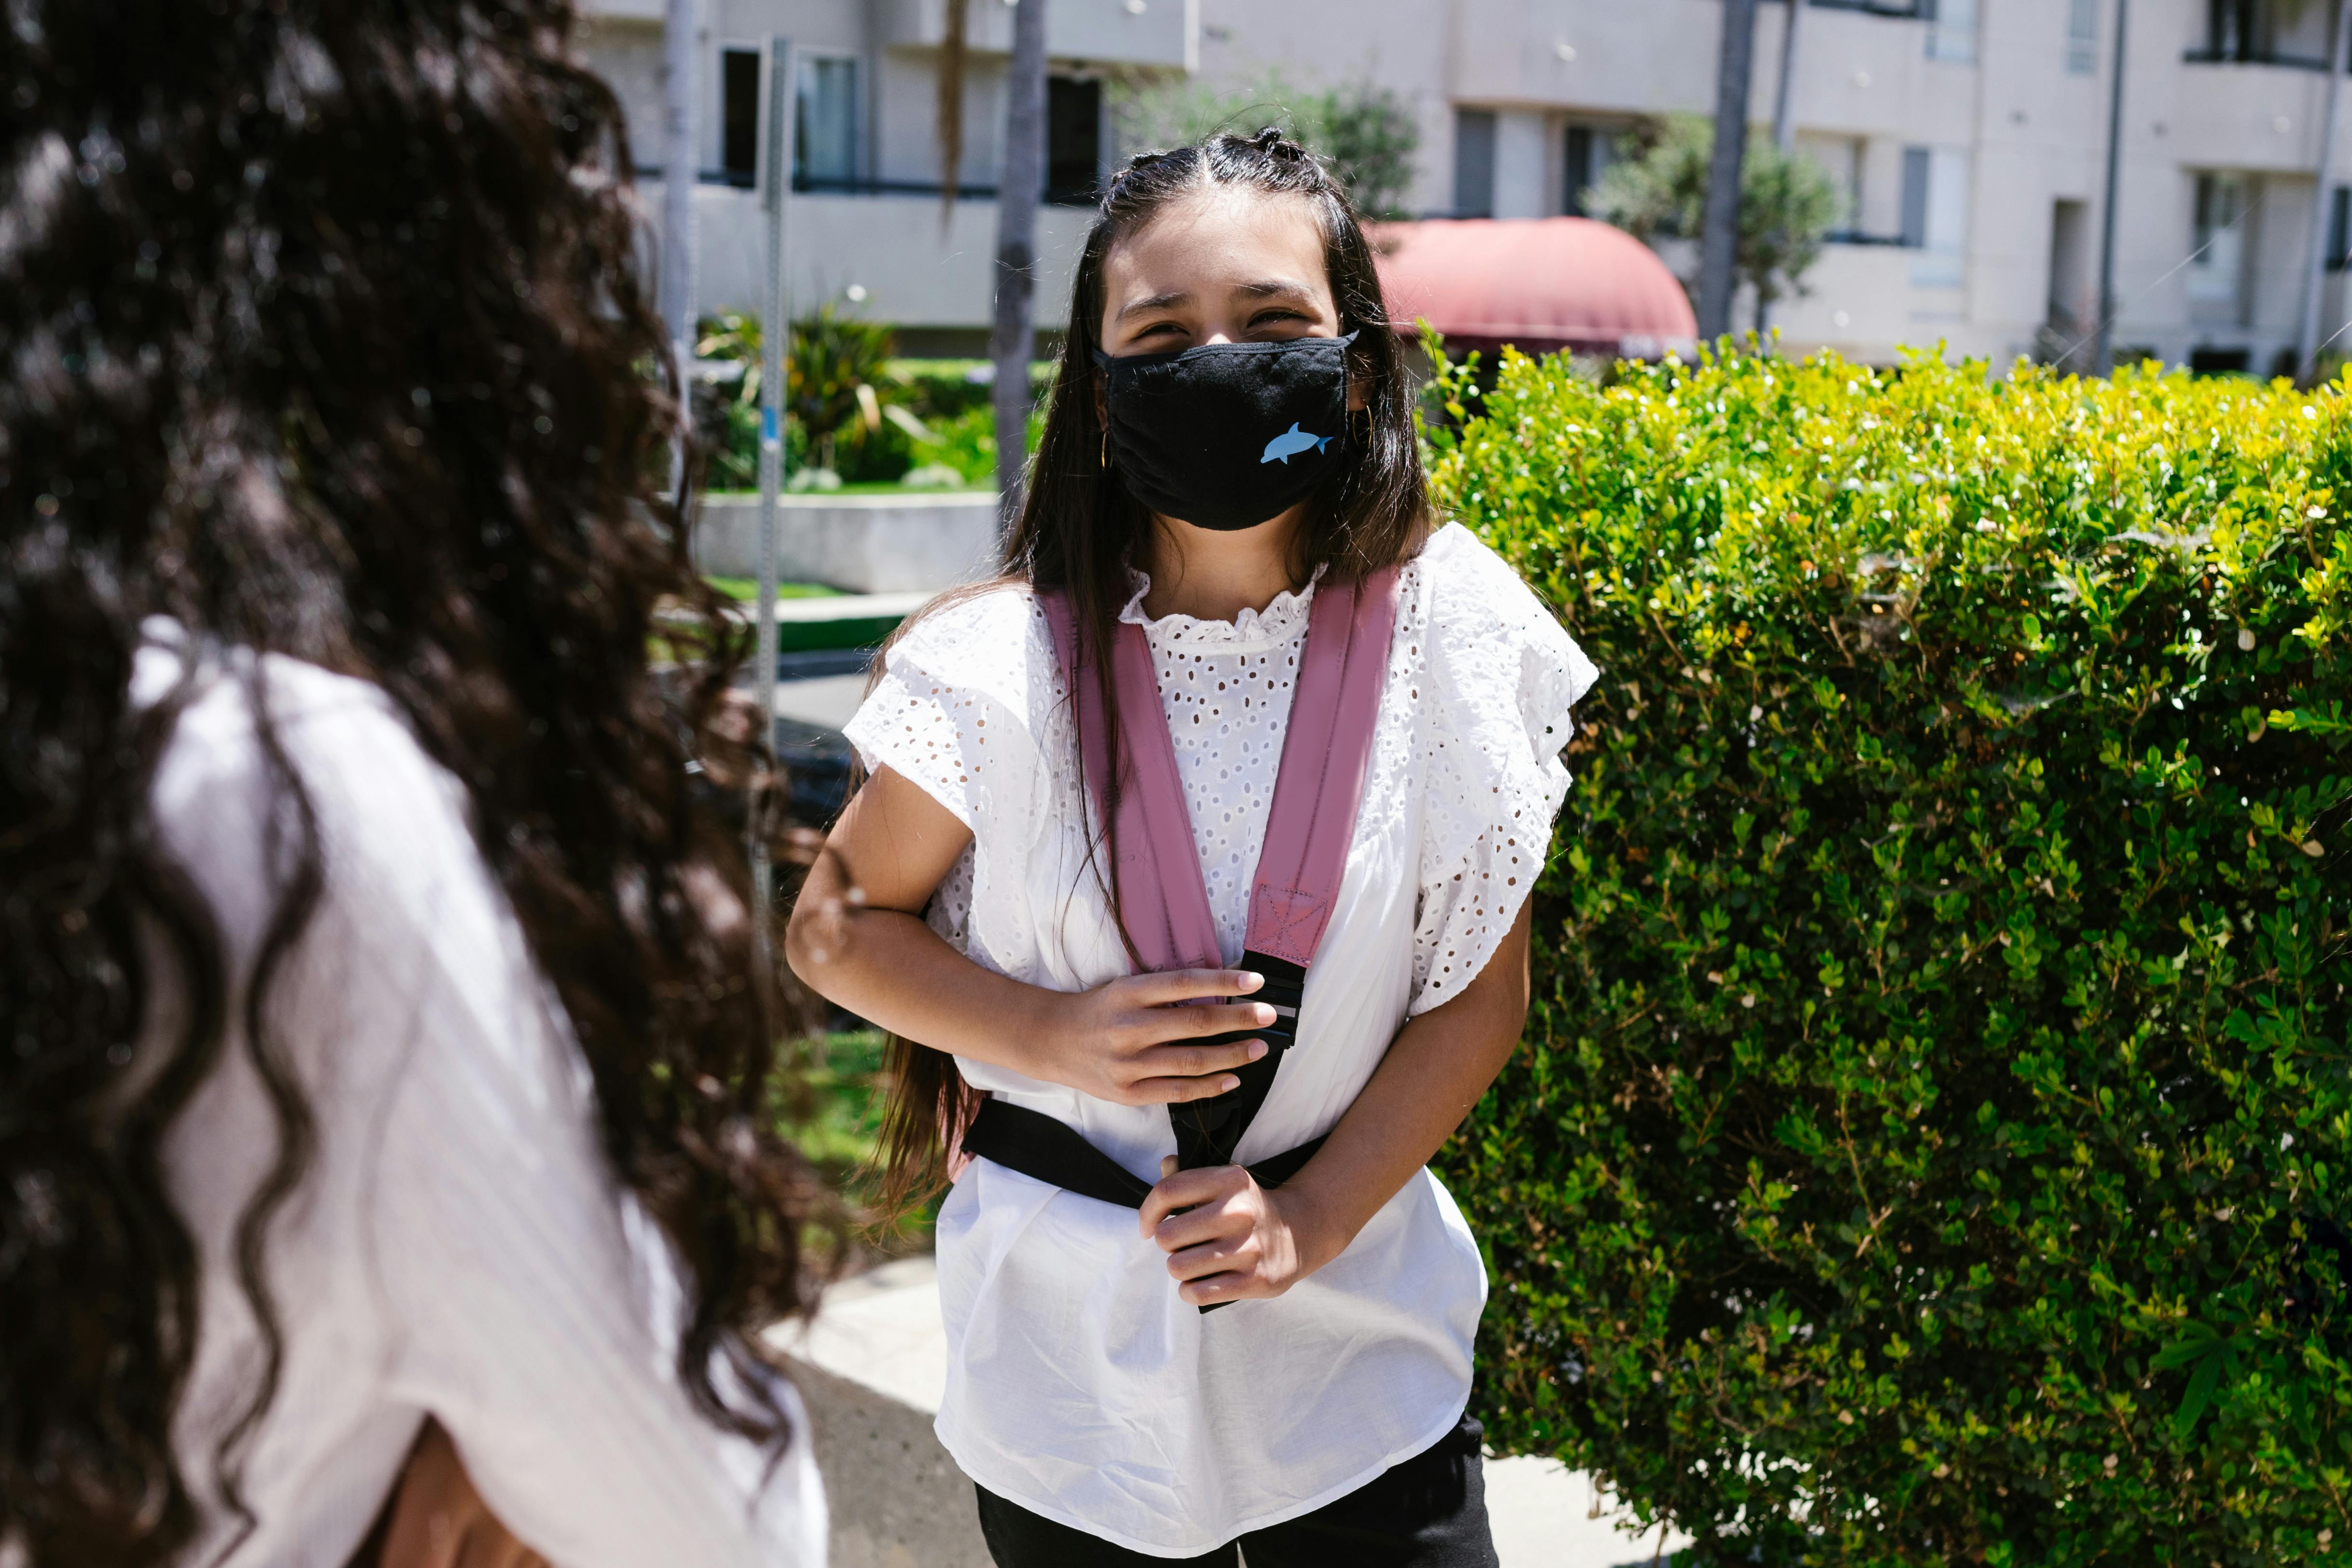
pixel 1157 302
pixel 1277 286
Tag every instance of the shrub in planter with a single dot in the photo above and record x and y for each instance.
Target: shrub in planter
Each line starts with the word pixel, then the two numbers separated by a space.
pixel 1932 1138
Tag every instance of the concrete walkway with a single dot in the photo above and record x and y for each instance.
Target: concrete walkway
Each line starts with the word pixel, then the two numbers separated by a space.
pixel 873 1364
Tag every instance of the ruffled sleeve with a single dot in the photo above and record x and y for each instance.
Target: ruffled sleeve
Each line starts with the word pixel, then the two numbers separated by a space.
pixel 1503 675
pixel 965 709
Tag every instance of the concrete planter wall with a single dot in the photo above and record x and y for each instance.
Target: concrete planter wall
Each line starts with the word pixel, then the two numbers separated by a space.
pixel 918 543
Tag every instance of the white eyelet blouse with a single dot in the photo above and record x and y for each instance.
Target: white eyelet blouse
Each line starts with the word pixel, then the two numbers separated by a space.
pixel 1080 1385
pixel 458 1247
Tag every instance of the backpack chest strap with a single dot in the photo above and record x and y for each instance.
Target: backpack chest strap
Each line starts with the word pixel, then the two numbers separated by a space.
pixel 1163 901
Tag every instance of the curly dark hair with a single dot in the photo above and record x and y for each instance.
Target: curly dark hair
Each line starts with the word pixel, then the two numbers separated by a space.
pixel 320 333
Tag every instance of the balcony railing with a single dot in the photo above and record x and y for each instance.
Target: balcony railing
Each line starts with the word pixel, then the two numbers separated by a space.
pixel 821 184
pixel 2229 56
pixel 1906 10
pixel 825 185
pixel 740 179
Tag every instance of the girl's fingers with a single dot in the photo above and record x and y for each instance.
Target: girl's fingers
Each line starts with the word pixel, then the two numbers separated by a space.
pixel 1218 1019
pixel 1177 1090
pixel 1225 1255
pixel 1191 984
pixel 1228 1287
pixel 1155 1025
pixel 1190 1189
pixel 1197 1061
pixel 1211 1225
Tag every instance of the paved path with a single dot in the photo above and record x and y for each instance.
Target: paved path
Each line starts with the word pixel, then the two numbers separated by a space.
pixel 873 1366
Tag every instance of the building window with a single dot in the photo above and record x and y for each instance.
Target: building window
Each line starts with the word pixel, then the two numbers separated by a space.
pixel 2083 37
pixel 1587 152
pixel 824 140
pixel 739 115
pixel 1935 213
pixel 1474 163
pixel 2231 33
pixel 2217 265
pixel 1916 167
pixel 1843 159
pixel 2220 361
pixel 2339 230
pixel 2266 32
pixel 1073 113
pixel 2070 308
pixel 1952 31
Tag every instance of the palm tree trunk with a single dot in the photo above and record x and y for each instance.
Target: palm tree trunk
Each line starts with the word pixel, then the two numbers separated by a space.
pixel 1022 182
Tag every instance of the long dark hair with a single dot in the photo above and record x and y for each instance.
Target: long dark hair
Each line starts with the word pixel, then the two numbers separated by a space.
pixel 323 335
pixel 1080 532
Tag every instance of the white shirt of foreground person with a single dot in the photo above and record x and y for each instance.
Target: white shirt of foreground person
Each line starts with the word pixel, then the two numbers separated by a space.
pixel 1079 1384
pixel 459 1247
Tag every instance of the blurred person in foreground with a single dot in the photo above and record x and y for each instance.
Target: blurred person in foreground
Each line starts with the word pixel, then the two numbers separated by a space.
pixel 382 1064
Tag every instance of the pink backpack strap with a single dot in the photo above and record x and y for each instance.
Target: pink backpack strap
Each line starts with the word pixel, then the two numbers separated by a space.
pixel 1162 901
pixel 1325 756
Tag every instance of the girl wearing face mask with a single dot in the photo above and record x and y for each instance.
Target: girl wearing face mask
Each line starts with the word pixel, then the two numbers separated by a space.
pixel 1195 853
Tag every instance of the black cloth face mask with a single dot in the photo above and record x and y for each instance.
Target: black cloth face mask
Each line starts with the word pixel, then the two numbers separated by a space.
pixel 1227 436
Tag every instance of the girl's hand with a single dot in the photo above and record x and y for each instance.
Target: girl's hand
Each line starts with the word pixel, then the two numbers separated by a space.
pixel 1229 1239
pixel 1127 1042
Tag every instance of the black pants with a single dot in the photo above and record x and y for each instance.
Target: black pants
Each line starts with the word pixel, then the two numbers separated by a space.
pixel 1428 1512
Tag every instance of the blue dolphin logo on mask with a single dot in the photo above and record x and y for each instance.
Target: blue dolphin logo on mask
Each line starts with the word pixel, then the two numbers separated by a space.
pixel 1292 442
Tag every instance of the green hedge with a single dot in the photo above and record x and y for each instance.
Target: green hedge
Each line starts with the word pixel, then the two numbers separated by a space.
pixel 1930 1142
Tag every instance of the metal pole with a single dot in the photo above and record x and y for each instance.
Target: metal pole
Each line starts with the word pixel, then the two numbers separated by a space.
pixel 2314 275
pixel 681 75
pixel 1019 186
pixel 1784 122
pixel 1719 277
pixel 775 328
pixel 2103 351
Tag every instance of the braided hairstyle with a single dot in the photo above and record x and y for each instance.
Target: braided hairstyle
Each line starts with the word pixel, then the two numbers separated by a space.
pixel 1080 534
pixel 322 331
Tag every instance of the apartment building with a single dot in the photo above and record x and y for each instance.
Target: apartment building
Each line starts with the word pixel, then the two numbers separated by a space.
pixel 1968 138
pixel 867 215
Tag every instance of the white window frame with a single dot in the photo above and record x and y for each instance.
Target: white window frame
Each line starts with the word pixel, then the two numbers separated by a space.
pixel 2083 37
pixel 804 64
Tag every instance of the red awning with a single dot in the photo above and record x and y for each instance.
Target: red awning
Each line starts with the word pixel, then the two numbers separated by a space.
pixel 1543 284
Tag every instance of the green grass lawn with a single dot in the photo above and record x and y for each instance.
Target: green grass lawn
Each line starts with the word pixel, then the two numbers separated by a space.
pixel 748 589
pixel 831 1110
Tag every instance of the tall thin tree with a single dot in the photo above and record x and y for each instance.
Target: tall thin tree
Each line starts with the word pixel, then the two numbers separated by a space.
pixel 1022 183
pixel 1719 275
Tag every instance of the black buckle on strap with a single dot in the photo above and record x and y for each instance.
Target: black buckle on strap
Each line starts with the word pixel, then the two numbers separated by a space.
pixel 1209 1131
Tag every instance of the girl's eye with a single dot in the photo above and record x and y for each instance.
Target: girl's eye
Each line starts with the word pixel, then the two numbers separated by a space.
pixel 1275 318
